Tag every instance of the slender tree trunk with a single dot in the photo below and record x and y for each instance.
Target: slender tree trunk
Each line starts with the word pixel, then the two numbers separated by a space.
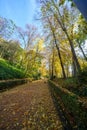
pixel 67 71
pixel 55 41
pixel 70 41
pixel 49 69
pixel 60 58
pixel 82 52
pixel 63 71
pixel 73 52
pixel 52 74
pixel 74 71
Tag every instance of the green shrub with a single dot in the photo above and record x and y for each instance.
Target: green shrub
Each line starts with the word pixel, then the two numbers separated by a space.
pixel 9 72
pixel 73 104
pixel 82 76
pixel 73 85
pixel 4 85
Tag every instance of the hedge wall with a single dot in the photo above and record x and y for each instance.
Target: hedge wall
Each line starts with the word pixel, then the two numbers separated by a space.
pixel 4 85
pixel 73 104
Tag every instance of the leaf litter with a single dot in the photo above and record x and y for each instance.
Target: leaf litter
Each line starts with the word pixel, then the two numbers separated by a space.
pixel 29 107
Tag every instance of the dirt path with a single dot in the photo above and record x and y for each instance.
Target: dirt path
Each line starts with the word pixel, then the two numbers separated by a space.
pixel 28 107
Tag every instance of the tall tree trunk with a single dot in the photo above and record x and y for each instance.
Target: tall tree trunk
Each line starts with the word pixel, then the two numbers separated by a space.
pixel 63 71
pixel 74 71
pixel 49 69
pixel 67 71
pixel 73 51
pixel 62 25
pixel 52 74
pixel 55 41
pixel 82 52
pixel 60 58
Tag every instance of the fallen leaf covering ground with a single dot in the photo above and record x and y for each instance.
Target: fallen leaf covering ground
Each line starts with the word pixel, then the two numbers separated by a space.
pixel 29 107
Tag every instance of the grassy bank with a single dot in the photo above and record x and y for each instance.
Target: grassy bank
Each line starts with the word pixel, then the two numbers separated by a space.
pixel 8 71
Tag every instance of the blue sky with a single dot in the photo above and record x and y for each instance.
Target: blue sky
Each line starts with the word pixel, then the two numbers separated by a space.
pixel 20 11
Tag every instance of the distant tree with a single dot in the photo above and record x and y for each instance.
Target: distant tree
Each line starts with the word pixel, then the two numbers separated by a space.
pixel 9 50
pixel 7 28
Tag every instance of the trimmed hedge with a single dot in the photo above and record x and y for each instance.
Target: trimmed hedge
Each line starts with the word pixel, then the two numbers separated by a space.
pixel 73 104
pixel 4 85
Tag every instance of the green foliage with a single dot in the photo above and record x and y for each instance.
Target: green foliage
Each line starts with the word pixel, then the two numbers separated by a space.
pixel 82 90
pixel 75 85
pixel 68 83
pixel 9 72
pixel 73 104
pixel 82 76
pixel 10 51
pixel 61 2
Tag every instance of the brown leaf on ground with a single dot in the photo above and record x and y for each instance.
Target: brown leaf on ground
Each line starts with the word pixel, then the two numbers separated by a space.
pixel 28 107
